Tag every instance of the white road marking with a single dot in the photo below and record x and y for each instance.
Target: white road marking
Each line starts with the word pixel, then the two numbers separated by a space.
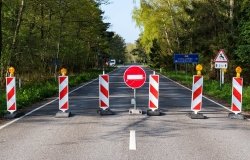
pixel 132 141
pixel 134 77
pixel 13 121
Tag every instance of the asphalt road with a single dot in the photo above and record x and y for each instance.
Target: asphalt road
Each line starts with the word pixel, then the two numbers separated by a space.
pixel 89 136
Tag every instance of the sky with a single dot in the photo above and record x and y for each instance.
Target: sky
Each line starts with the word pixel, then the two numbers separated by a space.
pixel 119 14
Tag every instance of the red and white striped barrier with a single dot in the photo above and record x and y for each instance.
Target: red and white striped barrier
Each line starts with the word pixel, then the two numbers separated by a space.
pixel 63 93
pixel 237 95
pixel 104 91
pixel 153 92
pixel 11 94
pixel 196 103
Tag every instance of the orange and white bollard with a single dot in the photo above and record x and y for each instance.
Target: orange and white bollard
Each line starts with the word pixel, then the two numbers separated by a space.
pixel 196 101
pixel 153 103
pixel 63 95
pixel 237 86
pixel 11 91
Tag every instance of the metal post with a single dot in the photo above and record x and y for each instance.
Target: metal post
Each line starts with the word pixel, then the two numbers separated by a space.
pixel 175 68
pixel 220 77
pixel 135 99
pixel 20 83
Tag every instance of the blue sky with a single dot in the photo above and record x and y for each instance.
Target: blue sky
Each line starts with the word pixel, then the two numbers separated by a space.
pixel 119 14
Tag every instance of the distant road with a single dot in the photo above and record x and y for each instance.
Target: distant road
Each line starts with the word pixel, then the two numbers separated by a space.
pixel 89 136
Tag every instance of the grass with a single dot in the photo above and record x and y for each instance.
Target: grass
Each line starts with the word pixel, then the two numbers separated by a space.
pixel 37 91
pixel 212 88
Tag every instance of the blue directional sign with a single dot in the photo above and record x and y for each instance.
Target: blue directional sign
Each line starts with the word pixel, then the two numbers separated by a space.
pixel 186 58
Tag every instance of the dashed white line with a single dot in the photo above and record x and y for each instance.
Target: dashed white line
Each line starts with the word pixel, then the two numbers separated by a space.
pixel 132 140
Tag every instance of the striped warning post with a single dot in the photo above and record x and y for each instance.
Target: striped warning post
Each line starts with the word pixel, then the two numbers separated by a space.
pixel 196 103
pixel 63 93
pixel 104 91
pixel 237 95
pixel 153 92
pixel 11 94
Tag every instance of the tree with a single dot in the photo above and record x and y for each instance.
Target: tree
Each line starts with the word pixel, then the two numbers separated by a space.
pixel 243 41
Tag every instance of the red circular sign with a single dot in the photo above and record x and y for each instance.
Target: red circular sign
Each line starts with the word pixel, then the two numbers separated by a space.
pixel 134 77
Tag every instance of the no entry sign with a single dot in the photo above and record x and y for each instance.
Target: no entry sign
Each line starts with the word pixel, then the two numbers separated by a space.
pixel 134 77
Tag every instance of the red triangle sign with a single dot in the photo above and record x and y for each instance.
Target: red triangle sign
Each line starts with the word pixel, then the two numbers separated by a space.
pixel 221 57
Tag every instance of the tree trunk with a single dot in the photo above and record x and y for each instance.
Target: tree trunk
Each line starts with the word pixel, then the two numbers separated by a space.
pixel 231 9
pixel 1 38
pixel 18 24
pixel 174 24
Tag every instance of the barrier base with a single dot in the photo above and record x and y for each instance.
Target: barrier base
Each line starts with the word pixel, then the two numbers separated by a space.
pixel 10 115
pixel 196 116
pixel 236 116
pixel 153 113
pixel 135 111
pixel 105 112
pixel 61 114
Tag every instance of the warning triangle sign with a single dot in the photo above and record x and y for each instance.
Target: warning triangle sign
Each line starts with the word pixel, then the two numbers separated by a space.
pixel 221 57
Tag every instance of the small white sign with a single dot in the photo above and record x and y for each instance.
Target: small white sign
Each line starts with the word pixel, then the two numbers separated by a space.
pixel 220 65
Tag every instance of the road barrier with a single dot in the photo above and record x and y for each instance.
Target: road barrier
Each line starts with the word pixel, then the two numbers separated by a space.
pixel 153 92
pixel 63 95
pixel 153 103
pixel 104 91
pixel 104 95
pixel 237 95
pixel 11 94
pixel 237 86
pixel 196 101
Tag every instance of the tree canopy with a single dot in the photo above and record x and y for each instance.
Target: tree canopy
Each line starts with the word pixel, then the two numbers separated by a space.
pixel 197 26
pixel 40 36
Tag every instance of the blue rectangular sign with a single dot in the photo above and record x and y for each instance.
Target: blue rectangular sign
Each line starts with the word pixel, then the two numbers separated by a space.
pixel 186 58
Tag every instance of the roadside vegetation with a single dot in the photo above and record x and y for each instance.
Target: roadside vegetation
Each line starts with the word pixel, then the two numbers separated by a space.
pixel 211 88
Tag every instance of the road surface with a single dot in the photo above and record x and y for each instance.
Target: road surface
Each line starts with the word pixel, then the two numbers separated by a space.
pixel 89 136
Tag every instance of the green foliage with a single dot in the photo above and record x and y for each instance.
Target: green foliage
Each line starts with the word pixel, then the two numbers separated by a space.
pixel 57 33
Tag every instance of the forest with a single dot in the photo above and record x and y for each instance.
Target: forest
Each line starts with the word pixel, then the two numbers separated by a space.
pixel 38 37
pixel 194 26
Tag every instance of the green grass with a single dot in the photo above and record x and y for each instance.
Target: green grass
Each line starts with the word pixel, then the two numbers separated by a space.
pixel 37 91
pixel 212 88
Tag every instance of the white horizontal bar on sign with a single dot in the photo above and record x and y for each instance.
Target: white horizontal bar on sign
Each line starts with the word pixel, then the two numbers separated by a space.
pixel 134 77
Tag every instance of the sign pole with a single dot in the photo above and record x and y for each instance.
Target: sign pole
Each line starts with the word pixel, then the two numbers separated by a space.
pixel 135 98
pixel 220 77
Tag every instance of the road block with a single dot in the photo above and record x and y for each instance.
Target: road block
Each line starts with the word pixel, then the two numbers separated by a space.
pixel 153 92
pixel 104 91
pixel 11 94
pixel 63 93
pixel 237 88
pixel 236 105
pixel 153 103
pixel 196 103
